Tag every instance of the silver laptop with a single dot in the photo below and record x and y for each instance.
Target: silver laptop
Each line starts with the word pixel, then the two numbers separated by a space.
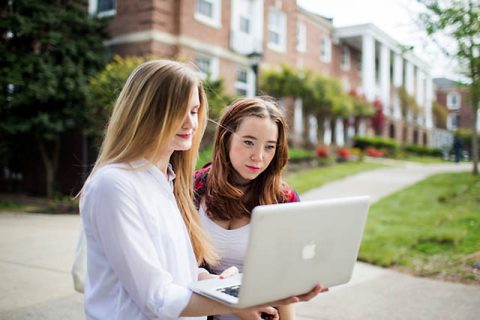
pixel 292 247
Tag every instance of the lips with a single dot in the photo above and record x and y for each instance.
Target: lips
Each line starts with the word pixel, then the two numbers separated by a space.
pixel 184 135
pixel 253 168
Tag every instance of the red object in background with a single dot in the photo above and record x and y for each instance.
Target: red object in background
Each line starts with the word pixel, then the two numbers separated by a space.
pixel 372 152
pixel 322 152
pixel 378 120
pixel 344 153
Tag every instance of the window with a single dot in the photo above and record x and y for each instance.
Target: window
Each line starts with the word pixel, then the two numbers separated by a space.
pixel 301 37
pixel 244 24
pixel 345 63
pixel 102 8
pixel 326 49
pixel 208 12
pixel 453 121
pixel 208 66
pixel 453 100
pixel 241 84
pixel 277 30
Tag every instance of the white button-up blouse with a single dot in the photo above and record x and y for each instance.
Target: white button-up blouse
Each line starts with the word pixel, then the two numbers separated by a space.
pixel 139 256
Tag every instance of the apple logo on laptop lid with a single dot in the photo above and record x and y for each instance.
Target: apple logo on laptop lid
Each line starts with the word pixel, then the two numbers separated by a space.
pixel 308 251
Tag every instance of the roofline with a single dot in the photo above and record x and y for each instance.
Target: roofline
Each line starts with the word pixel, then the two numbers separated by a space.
pixel 380 35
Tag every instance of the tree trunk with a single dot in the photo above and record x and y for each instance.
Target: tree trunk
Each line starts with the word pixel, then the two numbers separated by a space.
pixel 50 164
pixel 333 129
pixel 346 126
pixel 306 131
pixel 475 135
pixel 320 129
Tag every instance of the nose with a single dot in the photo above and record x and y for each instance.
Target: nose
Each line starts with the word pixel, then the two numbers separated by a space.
pixel 190 121
pixel 257 154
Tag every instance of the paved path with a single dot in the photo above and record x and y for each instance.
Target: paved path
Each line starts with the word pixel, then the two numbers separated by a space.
pixel 36 252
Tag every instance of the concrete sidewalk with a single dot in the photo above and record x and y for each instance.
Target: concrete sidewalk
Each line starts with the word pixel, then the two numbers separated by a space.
pixel 36 252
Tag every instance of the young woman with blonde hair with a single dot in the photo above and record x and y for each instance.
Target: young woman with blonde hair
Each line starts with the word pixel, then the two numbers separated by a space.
pixel 249 154
pixel 144 239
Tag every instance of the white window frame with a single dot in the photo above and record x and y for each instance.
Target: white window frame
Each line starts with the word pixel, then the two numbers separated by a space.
pixel 345 58
pixel 93 9
pixel 450 118
pixel 326 49
pixel 213 65
pixel 214 21
pixel 241 85
pixel 249 24
pixel 281 30
pixel 301 37
pixel 450 104
pixel 249 86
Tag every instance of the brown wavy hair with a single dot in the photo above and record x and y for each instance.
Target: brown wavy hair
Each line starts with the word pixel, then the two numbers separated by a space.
pixel 222 195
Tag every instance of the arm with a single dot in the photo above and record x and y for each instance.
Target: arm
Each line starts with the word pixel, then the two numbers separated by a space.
pixel 121 231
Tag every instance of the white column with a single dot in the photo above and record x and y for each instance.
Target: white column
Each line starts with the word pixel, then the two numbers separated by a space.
pixel 339 137
pixel 420 94
pixel 409 77
pixel 312 129
pixel 298 118
pixel 327 136
pixel 385 78
pixel 428 102
pixel 368 66
pixel 397 82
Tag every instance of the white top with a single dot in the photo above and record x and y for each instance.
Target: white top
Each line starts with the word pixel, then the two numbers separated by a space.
pixel 139 256
pixel 231 246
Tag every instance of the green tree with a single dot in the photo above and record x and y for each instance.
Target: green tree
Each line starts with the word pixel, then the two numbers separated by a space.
pixel 47 52
pixel 460 21
pixel 104 88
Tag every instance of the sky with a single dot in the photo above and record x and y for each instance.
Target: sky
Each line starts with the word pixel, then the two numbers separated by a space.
pixel 395 17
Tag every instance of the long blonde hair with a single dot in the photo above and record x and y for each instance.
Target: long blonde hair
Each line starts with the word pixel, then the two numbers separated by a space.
pixel 149 110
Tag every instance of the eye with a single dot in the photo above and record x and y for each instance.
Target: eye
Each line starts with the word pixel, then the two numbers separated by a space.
pixel 194 110
pixel 248 143
pixel 270 147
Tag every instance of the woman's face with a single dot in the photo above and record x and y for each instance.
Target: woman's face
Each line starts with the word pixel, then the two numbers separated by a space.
pixel 252 147
pixel 183 138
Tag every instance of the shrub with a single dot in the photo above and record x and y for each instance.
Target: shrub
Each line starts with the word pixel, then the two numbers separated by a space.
pixel 322 152
pixel 379 143
pixel 372 152
pixel 343 154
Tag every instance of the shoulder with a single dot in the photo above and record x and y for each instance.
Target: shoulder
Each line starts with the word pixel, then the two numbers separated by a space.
pixel 200 176
pixel 111 179
pixel 289 193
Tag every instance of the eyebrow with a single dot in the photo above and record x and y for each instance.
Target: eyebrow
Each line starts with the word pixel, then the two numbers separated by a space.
pixel 254 138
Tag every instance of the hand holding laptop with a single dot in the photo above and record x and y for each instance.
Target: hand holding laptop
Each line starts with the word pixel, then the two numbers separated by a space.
pixel 266 311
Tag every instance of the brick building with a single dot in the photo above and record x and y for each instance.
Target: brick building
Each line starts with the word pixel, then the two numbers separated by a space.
pixel 456 98
pixel 219 36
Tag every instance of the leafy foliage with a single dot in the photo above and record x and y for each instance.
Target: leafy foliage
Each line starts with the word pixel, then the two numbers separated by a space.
pixel 460 21
pixel 440 114
pixel 104 88
pixel 48 51
pixel 282 83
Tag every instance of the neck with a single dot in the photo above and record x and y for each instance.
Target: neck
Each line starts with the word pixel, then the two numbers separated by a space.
pixel 240 182
pixel 162 162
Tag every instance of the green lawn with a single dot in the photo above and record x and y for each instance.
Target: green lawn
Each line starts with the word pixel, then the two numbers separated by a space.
pixel 429 229
pixel 424 159
pixel 313 178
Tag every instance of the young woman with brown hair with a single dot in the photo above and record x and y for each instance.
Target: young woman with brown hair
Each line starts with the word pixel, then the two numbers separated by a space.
pixel 249 154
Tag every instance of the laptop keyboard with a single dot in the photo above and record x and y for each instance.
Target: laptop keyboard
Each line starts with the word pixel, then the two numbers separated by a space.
pixel 232 291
